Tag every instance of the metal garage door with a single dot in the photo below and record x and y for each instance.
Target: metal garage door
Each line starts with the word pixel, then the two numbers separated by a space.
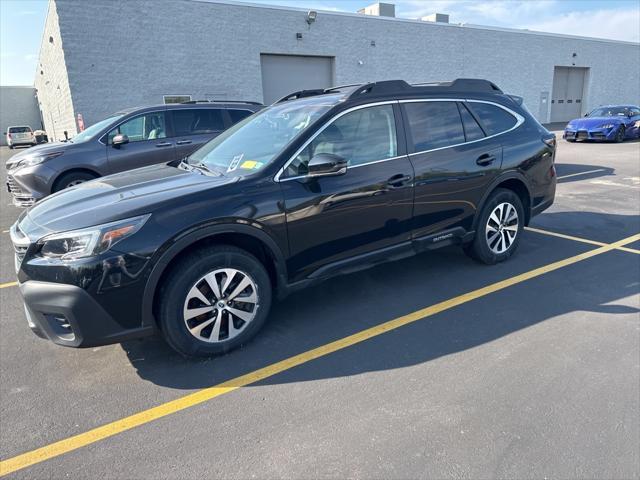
pixel 283 74
pixel 568 88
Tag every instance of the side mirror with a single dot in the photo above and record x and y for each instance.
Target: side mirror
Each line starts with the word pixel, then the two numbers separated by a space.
pixel 327 164
pixel 119 139
pixel 586 114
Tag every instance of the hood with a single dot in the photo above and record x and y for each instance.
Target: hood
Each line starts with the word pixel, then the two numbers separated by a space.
pixel 43 148
pixel 594 122
pixel 118 196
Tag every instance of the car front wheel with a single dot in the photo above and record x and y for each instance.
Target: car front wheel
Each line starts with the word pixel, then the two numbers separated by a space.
pixel 499 228
pixel 621 134
pixel 215 300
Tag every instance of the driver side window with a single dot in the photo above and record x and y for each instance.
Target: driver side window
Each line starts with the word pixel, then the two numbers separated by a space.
pixel 150 126
pixel 361 136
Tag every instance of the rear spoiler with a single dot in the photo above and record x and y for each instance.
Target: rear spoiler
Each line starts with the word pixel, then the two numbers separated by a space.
pixel 517 99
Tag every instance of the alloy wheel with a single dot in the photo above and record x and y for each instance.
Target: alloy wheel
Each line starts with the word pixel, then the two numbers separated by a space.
pixel 220 305
pixel 73 183
pixel 502 228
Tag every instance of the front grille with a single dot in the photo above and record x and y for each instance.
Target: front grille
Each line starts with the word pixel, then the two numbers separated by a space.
pixel 13 186
pixel 582 135
pixel 20 245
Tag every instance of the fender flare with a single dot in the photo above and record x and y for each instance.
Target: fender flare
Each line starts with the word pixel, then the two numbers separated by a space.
pixel 184 240
pixel 510 175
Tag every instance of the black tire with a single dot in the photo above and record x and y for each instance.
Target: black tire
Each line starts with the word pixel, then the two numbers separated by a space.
pixel 177 285
pixel 620 134
pixel 479 248
pixel 11 147
pixel 69 179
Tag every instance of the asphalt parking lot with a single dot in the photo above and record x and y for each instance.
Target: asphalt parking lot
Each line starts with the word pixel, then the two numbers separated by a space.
pixel 434 366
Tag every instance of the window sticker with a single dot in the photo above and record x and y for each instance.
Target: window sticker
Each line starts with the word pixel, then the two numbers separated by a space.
pixel 251 165
pixel 235 162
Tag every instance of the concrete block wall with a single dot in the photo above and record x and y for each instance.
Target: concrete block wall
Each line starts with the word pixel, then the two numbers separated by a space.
pixel 18 106
pixel 144 49
pixel 52 80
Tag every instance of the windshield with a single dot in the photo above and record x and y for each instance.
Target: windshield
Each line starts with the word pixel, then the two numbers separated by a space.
pixel 609 112
pixel 94 129
pixel 253 143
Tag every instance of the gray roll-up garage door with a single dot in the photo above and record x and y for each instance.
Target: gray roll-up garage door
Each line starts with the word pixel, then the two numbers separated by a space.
pixel 568 89
pixel 284 74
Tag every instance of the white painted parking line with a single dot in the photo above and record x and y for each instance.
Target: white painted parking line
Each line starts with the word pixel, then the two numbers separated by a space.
pixel 582 173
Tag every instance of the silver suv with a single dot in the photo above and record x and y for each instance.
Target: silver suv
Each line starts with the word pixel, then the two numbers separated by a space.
pixel 126 140
pixel 22 135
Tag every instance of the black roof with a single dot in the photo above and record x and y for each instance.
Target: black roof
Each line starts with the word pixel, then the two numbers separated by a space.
pixel 400 87
pixel 231 104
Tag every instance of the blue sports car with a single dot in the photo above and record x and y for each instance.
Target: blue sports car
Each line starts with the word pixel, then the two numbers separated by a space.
pixel 609 123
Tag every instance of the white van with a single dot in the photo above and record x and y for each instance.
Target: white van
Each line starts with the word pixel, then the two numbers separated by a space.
pixel 20 136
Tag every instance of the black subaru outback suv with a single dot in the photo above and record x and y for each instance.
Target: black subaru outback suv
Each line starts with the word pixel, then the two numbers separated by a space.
pixel 321 183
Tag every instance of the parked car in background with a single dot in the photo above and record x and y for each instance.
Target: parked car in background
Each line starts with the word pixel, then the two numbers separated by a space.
pixel 613 123
pixel 20 136
pixel 321 183
pixel 128 139
pixel 41 136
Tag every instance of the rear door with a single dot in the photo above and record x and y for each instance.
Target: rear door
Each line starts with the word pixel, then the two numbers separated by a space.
pixel 149 142
pixel 454 161
pixel 193 127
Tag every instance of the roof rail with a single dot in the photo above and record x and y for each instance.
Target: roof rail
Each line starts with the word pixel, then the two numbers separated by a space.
pixel 464 85
pixel 191 102
pixel 390 87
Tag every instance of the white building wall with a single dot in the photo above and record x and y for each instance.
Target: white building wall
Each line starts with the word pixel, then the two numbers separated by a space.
pixel 52 82
pixel 144 49
pixel 18 106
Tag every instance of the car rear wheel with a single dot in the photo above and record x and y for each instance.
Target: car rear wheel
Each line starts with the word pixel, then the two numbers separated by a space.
pixel 72 179
pixel 499 228
pixel 621 134
pixel 215 300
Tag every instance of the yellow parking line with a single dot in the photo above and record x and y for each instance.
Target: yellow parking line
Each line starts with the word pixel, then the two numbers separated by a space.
pixel 579 239
pixel 582 173
pixel 110 429
pixel 8 284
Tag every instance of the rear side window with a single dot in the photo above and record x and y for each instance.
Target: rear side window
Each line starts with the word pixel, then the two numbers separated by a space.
pixel 197 121
pixel 472 130
pixel 237 115
pixel 434 125
pixel 20 130
pixel 494 119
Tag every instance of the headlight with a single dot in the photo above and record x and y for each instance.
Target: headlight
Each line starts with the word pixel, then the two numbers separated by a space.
pixel 608 125
pixel 90 241
pixel 36 158
pixel 637 124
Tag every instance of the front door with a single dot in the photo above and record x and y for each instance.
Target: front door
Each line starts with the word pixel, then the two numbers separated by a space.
pixel 149 143
pixel 334 219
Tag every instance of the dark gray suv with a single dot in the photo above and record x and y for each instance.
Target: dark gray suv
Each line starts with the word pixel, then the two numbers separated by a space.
pixel 128 139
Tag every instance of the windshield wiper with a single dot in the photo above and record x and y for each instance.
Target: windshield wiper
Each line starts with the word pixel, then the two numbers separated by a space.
pixel 203 168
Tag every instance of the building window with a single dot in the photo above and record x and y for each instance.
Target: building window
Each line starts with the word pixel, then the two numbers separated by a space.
pixel 176 98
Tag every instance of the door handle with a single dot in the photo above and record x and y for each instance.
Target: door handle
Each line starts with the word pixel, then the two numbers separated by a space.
pixel 399 180
pixel 486 159
pixel 164 144
pixel 183 142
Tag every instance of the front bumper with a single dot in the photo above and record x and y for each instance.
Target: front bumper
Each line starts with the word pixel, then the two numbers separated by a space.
pixel 596 134
pixel 69 316
pixel 27 185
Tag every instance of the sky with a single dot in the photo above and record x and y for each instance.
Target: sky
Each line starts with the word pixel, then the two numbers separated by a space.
pixel 22 21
